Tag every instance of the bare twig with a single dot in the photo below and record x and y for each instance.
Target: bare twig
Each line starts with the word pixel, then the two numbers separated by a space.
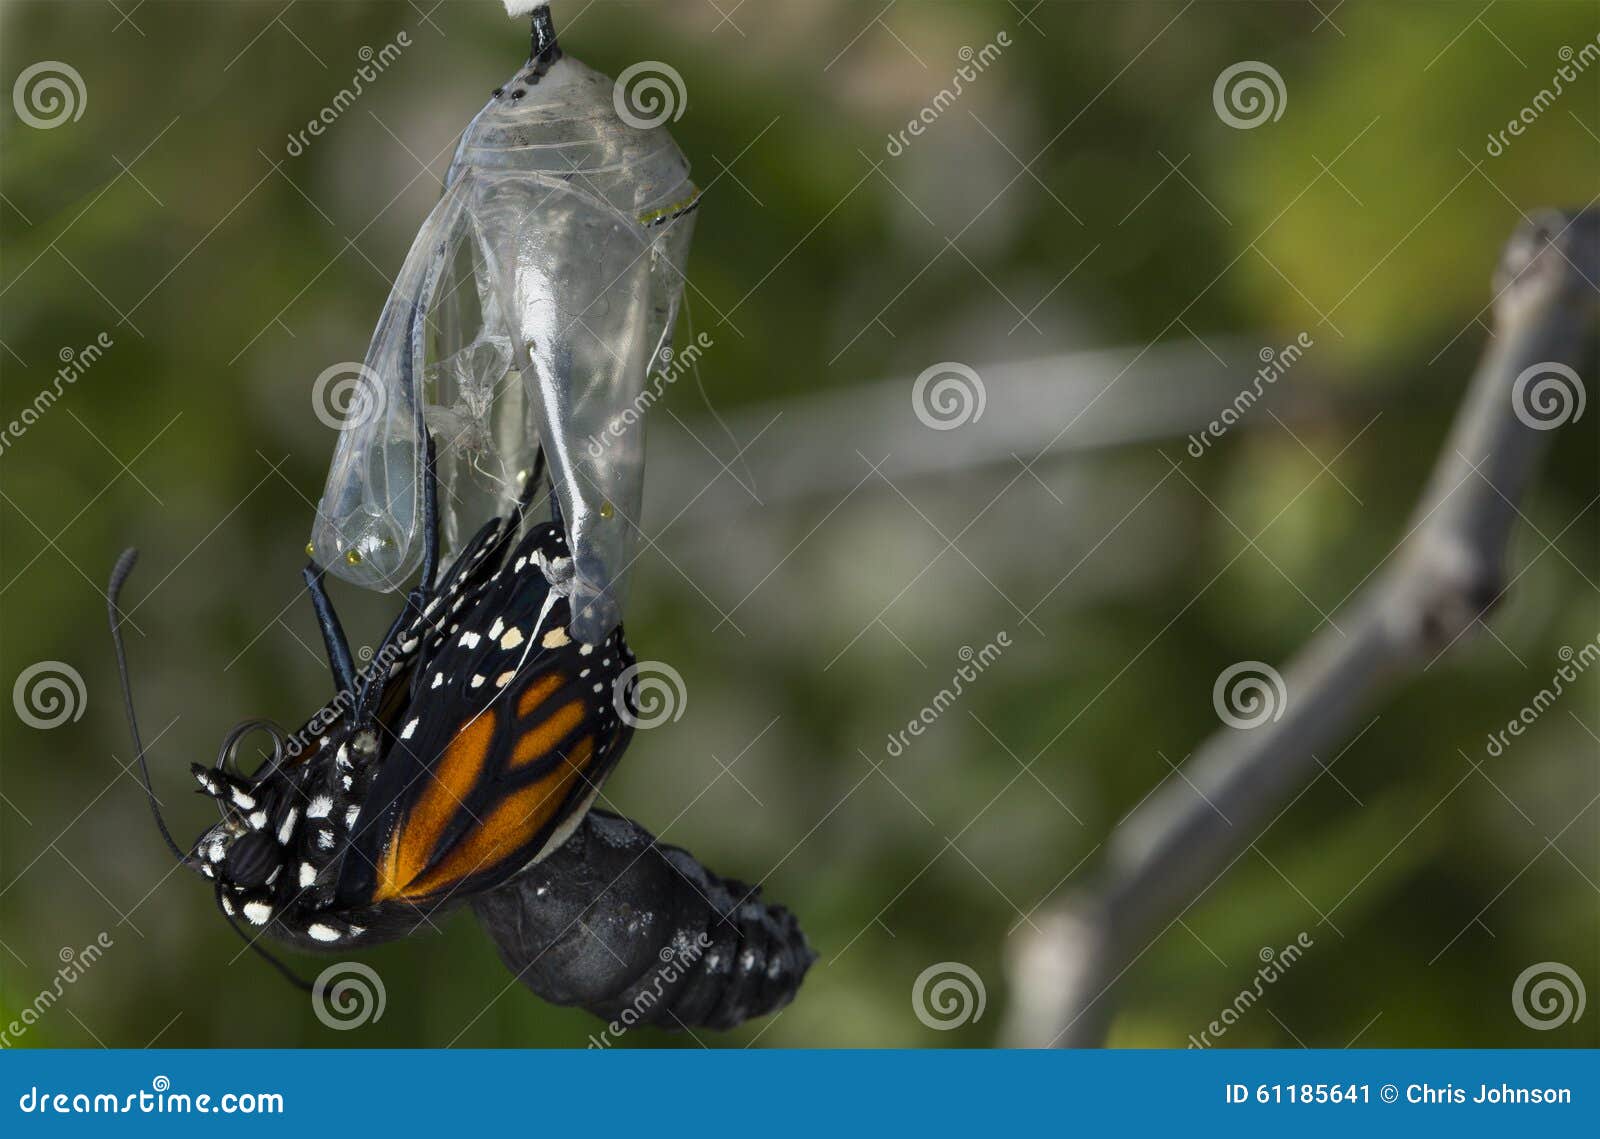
pixel 1446 574
pixel 807 446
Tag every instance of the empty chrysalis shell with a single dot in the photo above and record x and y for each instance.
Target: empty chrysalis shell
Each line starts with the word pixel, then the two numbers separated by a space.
pixel 528 313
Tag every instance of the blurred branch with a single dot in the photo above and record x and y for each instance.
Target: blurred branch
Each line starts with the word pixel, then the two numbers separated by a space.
pixel 811 446
pixel 1443 576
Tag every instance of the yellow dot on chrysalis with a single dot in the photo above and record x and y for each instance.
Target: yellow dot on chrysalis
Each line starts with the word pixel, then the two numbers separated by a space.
pixel 311 550
pixel 606 510
pixel 353 557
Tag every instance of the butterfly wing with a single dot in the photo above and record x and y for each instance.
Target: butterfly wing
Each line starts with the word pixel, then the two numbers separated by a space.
pixel 510 730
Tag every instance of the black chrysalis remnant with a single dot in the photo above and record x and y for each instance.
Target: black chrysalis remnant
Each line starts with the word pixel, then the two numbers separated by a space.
pixel 614 920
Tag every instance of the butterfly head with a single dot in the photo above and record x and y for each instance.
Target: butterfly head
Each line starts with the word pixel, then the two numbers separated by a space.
pixel 247 852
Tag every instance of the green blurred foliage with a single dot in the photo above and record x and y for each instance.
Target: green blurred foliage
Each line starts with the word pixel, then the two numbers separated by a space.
pixel 230 271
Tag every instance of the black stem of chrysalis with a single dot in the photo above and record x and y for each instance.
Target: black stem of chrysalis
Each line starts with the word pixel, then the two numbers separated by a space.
pixel 544 50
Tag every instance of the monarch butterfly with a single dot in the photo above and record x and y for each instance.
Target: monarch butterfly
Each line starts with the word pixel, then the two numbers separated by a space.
pixel 460 764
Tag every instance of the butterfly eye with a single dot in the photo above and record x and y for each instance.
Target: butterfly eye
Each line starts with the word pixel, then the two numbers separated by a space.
pixel 251 859
pixel 233 755
pixel 536 302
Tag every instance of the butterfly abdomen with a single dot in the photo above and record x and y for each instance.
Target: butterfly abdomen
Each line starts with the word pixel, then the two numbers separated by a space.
pixel 639 933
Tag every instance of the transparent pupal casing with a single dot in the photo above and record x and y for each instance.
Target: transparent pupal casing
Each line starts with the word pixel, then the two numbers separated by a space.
pixel 528 314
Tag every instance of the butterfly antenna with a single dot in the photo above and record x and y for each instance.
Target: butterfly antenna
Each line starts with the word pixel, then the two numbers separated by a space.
pixel 265 954
pixel 119 575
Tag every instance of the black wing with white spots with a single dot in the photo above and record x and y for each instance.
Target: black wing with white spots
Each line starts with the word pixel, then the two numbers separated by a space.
pixel 511 728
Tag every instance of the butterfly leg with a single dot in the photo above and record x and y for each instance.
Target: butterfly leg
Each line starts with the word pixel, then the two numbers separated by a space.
pixel 344 673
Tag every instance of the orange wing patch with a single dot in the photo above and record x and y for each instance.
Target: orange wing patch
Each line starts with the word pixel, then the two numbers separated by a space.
pixel 460 767
pixel 512 824
pixel 537 693
pixel 538 742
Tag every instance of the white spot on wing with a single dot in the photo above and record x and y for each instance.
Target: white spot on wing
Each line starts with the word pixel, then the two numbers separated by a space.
pixel 512 639
pixel 555 638
pixel 257 913
pixel 320 806
pixel 320 932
